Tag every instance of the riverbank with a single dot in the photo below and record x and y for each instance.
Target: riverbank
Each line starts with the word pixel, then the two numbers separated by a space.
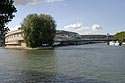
pixel 46 48
pixel 42 48
pixel 27 48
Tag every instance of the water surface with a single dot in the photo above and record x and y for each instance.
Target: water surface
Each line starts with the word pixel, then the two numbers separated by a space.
pixel 94 63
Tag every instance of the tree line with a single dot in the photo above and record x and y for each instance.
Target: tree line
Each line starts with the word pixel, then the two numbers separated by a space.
pixel 120 36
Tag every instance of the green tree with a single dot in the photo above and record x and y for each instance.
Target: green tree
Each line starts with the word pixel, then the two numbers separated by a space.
pixel 7 10
pixel 120 36
pixel 38 30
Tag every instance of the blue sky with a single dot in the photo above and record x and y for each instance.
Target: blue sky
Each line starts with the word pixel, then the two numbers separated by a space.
pixel 82 16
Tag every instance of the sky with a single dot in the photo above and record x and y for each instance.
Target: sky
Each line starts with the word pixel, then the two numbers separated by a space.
pixel 81 16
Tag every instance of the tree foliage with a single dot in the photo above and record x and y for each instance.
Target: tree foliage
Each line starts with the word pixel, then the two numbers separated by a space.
pixel 38 30
pixel 120 36
pixel 7 10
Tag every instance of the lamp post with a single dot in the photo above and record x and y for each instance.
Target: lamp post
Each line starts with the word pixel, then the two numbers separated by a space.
pixel 107 37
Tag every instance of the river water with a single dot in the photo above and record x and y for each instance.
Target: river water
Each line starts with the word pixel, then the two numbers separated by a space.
pixel 94 63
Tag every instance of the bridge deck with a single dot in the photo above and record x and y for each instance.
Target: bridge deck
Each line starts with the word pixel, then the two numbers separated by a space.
pixel 86 40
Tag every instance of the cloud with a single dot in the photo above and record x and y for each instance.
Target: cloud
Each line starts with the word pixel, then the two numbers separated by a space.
pixel 80 28
pixel 54 0
pixel 75 26
pixel 25 2
pixel 95 27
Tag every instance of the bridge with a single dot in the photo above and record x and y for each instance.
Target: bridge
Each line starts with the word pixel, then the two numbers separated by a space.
pixel 83 41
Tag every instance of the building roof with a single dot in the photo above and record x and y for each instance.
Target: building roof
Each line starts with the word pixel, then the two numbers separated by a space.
pixel 13 32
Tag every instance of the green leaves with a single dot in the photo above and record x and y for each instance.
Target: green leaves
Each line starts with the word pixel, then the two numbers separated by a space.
pixel 7 10
pixel 120 36
pixel 38 30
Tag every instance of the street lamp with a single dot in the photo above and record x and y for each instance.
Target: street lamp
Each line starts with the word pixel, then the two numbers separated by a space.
pixel 107 38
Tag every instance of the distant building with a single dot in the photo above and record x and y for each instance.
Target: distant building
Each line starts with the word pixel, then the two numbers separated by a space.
pixel 67 35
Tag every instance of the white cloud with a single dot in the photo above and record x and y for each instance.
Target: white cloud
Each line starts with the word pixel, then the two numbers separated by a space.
pixel 95 27
pixel 25 2
pixel 54 0
pixel 78 27
pixel 75 26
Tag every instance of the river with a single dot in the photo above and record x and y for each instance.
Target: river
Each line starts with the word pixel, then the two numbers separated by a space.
pixel 93 63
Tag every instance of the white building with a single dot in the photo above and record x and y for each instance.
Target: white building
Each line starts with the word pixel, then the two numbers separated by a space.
pixel 14 39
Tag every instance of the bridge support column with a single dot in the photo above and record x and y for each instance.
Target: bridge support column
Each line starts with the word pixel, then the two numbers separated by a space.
pixel 108 42
pixel 108 39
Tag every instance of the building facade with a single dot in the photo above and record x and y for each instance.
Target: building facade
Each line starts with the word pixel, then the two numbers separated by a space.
pixel 14 39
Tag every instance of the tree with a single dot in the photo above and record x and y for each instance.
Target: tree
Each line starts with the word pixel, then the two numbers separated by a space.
pixel 7 10
pixel 38 30
pixel 120 36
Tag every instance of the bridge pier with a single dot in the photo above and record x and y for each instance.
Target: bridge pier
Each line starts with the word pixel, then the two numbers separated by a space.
pixel 108 42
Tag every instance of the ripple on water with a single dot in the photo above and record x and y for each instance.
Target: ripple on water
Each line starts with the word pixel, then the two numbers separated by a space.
pixel 24 76
pixel 96 63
